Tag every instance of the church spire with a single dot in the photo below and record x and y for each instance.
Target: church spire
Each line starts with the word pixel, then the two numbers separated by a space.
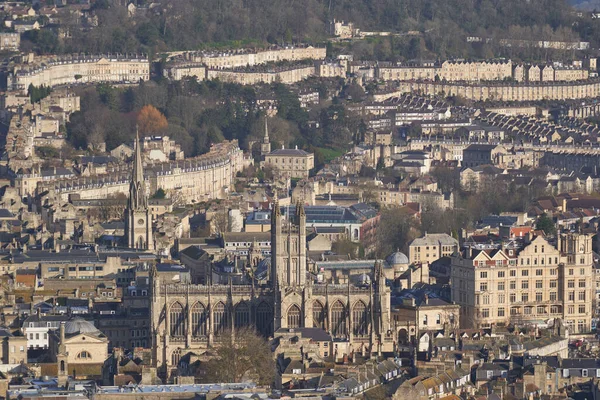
pixel 138 220
pixel 266 137
pixel 137 187
pixel 265 146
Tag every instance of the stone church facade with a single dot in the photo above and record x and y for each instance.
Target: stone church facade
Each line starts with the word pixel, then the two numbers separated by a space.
pixel 190 317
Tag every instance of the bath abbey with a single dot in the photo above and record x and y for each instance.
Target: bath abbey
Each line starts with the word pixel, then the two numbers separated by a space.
pixel 188 317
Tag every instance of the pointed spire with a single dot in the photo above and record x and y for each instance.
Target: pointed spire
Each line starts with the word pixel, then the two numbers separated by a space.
pixel 137 187
pixel 138 172
pixel 266 138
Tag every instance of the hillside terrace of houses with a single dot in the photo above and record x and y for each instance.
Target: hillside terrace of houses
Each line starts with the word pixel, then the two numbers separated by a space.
pixel 541 131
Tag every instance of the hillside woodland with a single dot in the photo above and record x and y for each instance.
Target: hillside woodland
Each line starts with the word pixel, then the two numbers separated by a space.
pixel 444 26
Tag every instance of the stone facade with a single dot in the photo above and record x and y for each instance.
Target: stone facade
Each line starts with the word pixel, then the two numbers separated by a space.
pixel 179 71
pixel 475 71
pixel 451 71
pixel 519 73
pixel 13 349
pixel 406 73
pixel 291 163
pixel 10 41
pixel 480 71
pixel 87 69
pixel 341 29
pixel 534 74
pixel 570 74
pixel 201 178
pixel 526 286
pixel 432 247
pixel 547 73
pixel 499 91
pixel 330 70
pixel 247 57
pixel 429 315
pixel 251 77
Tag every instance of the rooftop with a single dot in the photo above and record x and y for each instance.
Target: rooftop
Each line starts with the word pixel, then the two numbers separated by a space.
pixel 290 152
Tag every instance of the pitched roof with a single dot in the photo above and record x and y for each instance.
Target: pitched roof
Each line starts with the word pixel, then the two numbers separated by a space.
pixel 289 152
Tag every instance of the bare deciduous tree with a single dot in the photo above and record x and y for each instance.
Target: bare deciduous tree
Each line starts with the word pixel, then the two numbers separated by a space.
pixel 241 355
pixel 219 222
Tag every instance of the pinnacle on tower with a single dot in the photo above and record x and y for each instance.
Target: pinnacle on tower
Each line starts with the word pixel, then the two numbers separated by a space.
pixel 275 212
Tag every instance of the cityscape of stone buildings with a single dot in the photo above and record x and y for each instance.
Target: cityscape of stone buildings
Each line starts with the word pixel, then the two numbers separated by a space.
pixel 123 269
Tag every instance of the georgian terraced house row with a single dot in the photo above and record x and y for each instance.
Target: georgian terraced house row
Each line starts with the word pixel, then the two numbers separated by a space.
pixel 79 69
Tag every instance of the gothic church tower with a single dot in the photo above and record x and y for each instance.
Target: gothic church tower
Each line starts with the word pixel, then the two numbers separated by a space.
pixel 138 221
pixel 288 265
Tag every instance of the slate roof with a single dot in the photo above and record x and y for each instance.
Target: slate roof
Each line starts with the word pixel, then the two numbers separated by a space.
pixel 193 252
pixel 289 152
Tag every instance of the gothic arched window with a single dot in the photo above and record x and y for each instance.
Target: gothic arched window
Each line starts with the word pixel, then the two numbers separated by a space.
pixel 338 319
pixel 360 320
pixel 264 319
pixel 177 317
pixel 175 357
pixel 242 315
pixel 293 317
pixel 318 315
pixel 199 319
pixel 220 318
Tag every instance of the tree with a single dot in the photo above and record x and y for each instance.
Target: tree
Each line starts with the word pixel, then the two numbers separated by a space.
pixel 151 121
pixel 545 223
pixel 448 179
pixel 380 163
pixel 396 230
pixel 355 92
pixel 346 247
pixel 160 194
pixel 37 93
pixel 219 222
pixel 241 355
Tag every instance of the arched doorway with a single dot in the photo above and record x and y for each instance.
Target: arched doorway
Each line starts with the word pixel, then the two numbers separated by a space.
pixel 403 337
